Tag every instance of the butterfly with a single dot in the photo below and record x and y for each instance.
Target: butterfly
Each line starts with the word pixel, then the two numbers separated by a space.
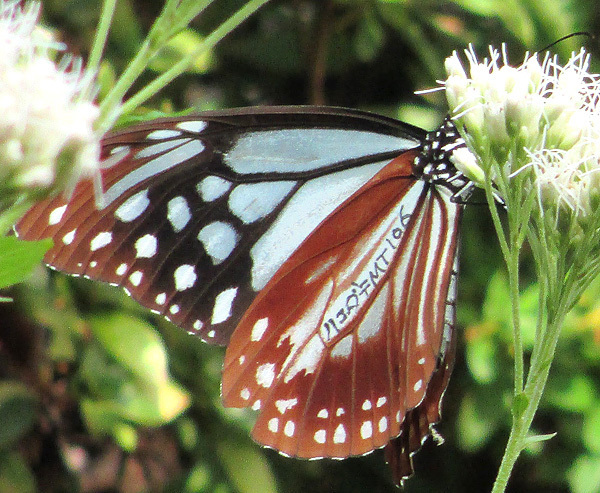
pixel 319 244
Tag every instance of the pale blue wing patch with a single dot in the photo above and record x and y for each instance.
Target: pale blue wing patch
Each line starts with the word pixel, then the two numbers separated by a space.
pixel 251 202
pixel 299 150
pixel 308 207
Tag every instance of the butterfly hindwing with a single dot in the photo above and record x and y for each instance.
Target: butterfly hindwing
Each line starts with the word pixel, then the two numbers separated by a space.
pixel 320 243
pixel 197 214
pixel 345 338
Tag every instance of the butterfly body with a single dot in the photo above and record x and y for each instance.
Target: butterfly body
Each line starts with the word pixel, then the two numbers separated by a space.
pixel 320 244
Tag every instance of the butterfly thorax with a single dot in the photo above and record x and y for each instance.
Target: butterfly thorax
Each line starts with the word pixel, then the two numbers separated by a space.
pixel 434 165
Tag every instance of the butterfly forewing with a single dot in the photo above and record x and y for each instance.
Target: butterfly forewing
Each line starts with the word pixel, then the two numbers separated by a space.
pixel 346 336
pixel 197 214
pixel 302 236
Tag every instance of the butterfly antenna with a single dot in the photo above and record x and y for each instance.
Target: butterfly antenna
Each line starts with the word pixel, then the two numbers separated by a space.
pixel 568 36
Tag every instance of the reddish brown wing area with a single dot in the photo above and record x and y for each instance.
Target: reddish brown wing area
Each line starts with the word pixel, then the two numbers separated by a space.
pixel 134 240
pixel 144 237
pixel 418 423
pixel 335 383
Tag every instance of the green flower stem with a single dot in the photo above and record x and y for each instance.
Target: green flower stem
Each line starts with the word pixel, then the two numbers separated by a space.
pixel 171 21
pixel 510 251
pixel 532 394
pixel 558 290
pixel 157 84
pixel 167 25
pixel 545 170
pixel 93 64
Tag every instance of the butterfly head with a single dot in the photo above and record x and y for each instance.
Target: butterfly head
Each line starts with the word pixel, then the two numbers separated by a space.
pixel 434 163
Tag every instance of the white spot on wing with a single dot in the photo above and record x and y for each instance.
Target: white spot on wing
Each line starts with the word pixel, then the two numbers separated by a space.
pixel 163 134
pixel 370 325
pixel 153 167
pixel 185 277
pixel 120 149
pixel 219 239
pixel 133 207
pixel 155 149
pixel 273 425
pixel 161 298
pixel 194 126
pixel 100 240
pixel 343 348
pixel 117 154
pixel 289 429
pixel 56 215
pixel 340 411
pixel 284 405
pixel 381 401
pixel 146 246
pixel 418 385
pixel 339 435
pixel 366 405
pixel 223 305
pixel 320 270
pixel 383 424
pixel 366 430
pixel 136 278
pixel 178 213
pixel 265 374
pixel 212 187
pixel 253 201
pixel 323 413
pixel 245 394
pixel 258 329
pixel 122 269
pixel 174 309
pixel 306 347
pixel 320 436
pixel 69 237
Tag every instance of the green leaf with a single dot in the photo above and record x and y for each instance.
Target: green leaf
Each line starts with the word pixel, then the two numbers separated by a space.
pixel 584 474
pixel 534 439
pixel 591 431
pixel 574 393
pixel 495 306
pixel 126 436
pixel 144 405
pixel 247 467
pixel 185 43
pixel 369 38
pixel 475 425
pixel 529 302
pixel 101 417
pixel 482 359
pixel 18 258
pixel 15 476
pixel 135 344
pixel 17 412
pixel 187 433
pixel 199 479
pixel 520 403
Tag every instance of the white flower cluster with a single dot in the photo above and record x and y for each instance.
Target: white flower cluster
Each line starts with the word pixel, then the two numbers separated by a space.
pixel 46 125
pixel 544 117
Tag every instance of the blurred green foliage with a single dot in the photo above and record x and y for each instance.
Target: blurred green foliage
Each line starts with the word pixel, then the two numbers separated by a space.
pixel 96 394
